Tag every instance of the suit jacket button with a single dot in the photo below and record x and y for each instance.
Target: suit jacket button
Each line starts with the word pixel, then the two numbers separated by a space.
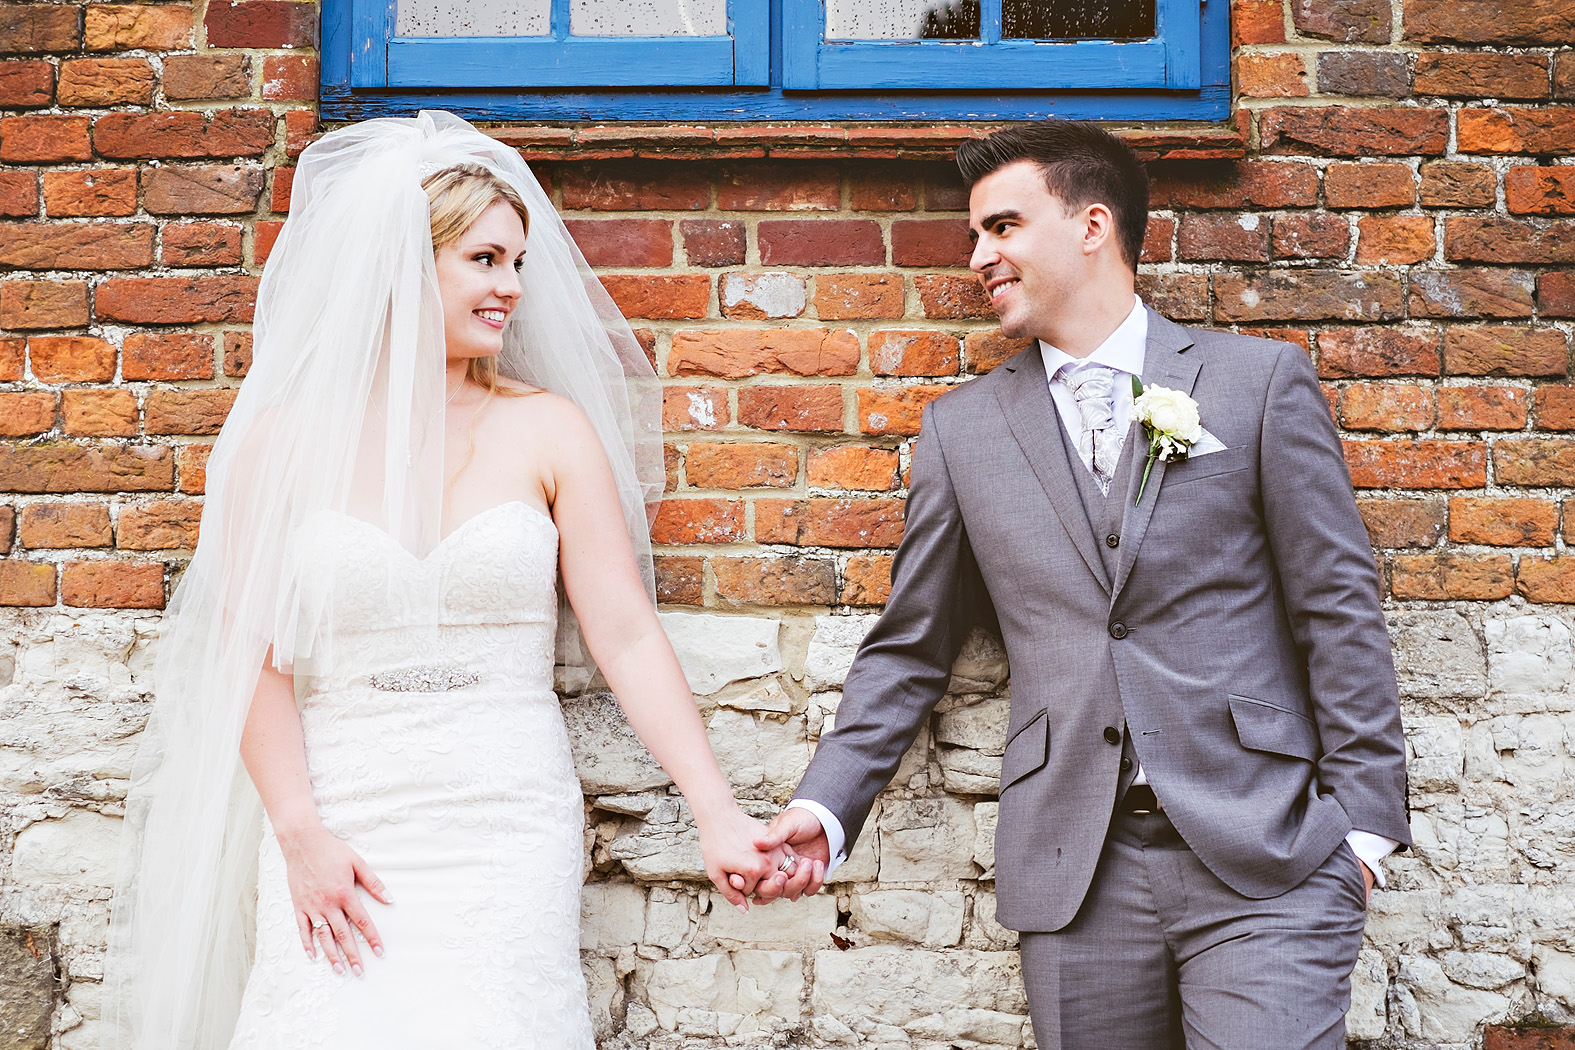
pixel 1112 735
pixel 1126 763
pixel 1112 540
pixel 1118 630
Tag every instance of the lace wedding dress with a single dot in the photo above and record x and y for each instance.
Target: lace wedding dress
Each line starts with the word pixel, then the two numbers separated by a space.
pixel 439 753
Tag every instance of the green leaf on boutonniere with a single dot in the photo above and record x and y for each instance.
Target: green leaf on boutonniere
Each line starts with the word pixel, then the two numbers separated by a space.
pixel 1137 387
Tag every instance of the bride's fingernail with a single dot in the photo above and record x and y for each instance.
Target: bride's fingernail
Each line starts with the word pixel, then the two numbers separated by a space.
pixel 743 908
pixel 356 969
pixel 378 952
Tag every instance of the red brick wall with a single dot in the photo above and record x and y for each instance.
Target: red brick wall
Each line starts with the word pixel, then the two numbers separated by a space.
pixel 1401 205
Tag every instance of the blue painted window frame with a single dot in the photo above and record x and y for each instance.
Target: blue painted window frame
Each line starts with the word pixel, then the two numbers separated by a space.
pixel 781 69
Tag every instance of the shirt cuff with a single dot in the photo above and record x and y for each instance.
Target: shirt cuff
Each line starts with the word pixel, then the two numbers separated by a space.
pixel 836 838
pixel 1371 850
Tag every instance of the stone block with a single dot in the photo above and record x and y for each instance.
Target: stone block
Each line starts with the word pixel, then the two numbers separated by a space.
pixel 716 650
pixel 27 986
pixel 943 997
pixel 919 916
pixel 612 915
pixel 759 756
pixel 985 815
pixel 1434 1008
pixel 926 840
pixel 831 650
pixel 1368 1016
pixel 666 846
pixel 1529 655
pixel 1437 654
pixel 608 756
pixel 78 849
pixel 724 994
pixel 1435 753
pixel 800 924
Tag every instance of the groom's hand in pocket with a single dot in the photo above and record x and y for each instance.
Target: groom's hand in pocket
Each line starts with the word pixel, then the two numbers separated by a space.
pixel 800 830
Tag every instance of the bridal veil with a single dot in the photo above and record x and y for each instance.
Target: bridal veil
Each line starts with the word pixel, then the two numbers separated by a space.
pixel 341 411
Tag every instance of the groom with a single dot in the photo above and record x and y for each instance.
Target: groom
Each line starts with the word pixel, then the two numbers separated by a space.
pixel 1204 765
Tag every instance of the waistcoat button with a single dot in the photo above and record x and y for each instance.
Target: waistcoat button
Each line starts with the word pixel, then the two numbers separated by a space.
pixel 1112 735
pixel 1118 630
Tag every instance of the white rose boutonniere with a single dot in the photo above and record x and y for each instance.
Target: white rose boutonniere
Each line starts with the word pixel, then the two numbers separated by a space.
pixel 1170 422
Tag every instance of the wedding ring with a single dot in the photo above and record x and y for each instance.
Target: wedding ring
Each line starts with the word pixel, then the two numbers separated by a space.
pixel 319 924
pixel 788 864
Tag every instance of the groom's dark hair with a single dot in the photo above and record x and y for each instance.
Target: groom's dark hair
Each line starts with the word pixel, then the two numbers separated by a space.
pixel 1081 163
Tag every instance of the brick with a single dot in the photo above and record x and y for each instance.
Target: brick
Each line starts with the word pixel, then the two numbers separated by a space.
pixel 1451 576
pixel 1386 406
pixel 56 526
pixel 775 580
pixel 684 521
pixel 18 194
pixel 185 411
pixel 77 246
pixel 1307 295
pixel 820 242
pixel 300 131
pixel 99 413
pixel 694 408
pixel 883 188
pixel 1564 75
pixel 1498 522
pixel 741 465
pixel 1470 293
pixel 778 520
pixel 1347 21
pixel 1369 186
pixel 7 520
pixel 1375 74
pixel 1235 185
pixel 944 297
pixel 71 358
pixel 624 242
pixel 112 585
pixel 40 28
pixel 658 297
pixel 106 82
pixel 680 580
pixel 1534 461
pixel 855 468
pixel 27 84
pixel 983 351
pixel 846 523
pixel 1556 294
pixel 943 188
pixel 908 352
pixel 265 234
pixel 1156 239
pixel 779 186
pixel 121 27
pixel 64 467
pixel 1271 76
pixel 167 355
pixel 1540 191
pixel 44 139
pixel 220 76
pixel 850 296
pixel 1555 406
pixel 1515 129
pixel 1504 350
pixel 1347 131
pixel 1178 296
pixel 170 524
pixel 176 300
pixel 1457 75
pixel 237 353
pixel 1400 523
pixel 1417 464
pixel 803 408
pixel 200 244
pixel 1315 236
pixel 1234 238
pixel 1527 22
pixel 192 463
pixel 279 189
pixel 1471 239
pixel 12 352
pixel 25 413
pixel 738 352
pixel 290 78
pixel 187 134
pixel 1257 22
pixel 202 189
pixel 1546 580
pixel 1394 239
pixel 261 23
pixel 930 242
pixel 94 192
pixel 1481 408
pixel 896 410
pixel 26 583
pixel 43 304
pixel 866 580
pixel 1458 184
pixel 712 242
pixel 759 296
pixel 635 187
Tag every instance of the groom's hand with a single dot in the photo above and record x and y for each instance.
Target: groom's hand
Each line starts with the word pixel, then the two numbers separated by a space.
pixel 800 830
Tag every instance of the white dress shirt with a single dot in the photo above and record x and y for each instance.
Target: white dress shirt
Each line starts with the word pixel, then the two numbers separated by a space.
pixel 1122 351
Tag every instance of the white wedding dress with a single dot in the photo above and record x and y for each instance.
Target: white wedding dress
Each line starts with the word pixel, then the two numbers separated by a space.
pixel 438 751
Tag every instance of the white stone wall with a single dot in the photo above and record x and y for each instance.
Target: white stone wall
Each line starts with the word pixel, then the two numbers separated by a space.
pixel 1478 924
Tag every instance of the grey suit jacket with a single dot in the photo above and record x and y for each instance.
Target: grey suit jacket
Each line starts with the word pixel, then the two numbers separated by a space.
pixel 1241 641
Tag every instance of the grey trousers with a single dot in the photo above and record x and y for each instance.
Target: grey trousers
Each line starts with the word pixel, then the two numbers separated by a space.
pixel 1163 955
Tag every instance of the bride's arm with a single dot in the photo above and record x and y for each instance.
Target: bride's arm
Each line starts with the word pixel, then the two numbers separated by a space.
pixel 629 646
pixel 323 870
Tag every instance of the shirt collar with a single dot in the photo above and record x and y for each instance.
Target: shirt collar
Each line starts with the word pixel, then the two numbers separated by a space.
pixel 1123 349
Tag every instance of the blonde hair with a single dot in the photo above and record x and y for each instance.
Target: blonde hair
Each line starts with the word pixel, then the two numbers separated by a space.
pixel 456 198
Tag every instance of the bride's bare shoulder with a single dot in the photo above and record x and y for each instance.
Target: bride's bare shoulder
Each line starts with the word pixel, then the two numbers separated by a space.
pixel 534 413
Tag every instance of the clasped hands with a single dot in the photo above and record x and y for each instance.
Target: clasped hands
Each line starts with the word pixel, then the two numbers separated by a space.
pixel 795 834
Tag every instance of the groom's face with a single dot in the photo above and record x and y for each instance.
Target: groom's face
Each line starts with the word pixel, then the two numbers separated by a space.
pixel 1028 251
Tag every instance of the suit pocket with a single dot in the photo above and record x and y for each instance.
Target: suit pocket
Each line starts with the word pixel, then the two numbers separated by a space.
pixel 1225 461
pixel 1027 750
pixel 1264 727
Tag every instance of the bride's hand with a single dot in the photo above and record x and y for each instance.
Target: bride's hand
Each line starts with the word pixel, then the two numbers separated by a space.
pixel 727 842
pixel 323 872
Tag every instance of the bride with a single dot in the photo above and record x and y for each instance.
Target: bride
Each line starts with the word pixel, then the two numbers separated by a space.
pixel 355 820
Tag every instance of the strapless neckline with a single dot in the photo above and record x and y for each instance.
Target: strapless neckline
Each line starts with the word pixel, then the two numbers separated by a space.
pixel 457 531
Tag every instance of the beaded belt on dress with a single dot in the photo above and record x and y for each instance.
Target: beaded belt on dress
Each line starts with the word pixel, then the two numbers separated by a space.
pixel 430 678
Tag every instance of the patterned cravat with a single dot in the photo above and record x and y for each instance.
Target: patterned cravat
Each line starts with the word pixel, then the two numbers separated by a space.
pixel 1099 444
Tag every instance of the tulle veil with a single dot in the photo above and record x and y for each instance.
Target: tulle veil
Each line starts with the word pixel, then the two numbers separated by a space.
pixel 342 410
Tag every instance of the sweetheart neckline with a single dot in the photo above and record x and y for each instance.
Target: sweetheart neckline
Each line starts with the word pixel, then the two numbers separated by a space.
pixel 457 530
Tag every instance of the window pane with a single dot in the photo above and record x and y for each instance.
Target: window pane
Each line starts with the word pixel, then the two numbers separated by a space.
pixel 648 18
pixel 902 19
pixel 1076 19
pixel 473 18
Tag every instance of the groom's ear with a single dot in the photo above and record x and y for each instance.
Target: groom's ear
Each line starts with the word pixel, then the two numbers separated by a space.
pixel 1099 228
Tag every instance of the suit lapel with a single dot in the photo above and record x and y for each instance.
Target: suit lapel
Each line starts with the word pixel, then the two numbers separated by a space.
pixel 1165 363
pixel 1031 414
